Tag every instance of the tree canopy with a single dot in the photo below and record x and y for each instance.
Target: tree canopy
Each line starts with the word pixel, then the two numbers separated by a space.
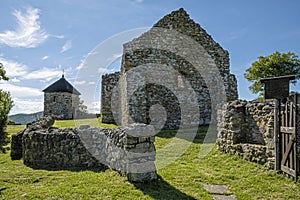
pixel 5 105
pixel 276 64
pixel 3 73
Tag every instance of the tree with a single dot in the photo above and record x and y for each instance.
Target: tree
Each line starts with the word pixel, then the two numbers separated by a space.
pixel 5 105
pixel 82 107
pixel 276 64
pixel 2 73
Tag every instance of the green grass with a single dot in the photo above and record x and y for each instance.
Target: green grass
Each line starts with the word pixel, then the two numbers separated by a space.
pixel 182 179
pixel 93 122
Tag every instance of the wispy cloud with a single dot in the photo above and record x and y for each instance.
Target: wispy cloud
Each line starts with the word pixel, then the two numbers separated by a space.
pixel 58 36
pixel 45 74
pixel 22 105
pixel 28 32
pixel 14 69
pixel 114 57
pixel 20 91
pixel 15 80
pixel 102 70
pixel 18 71
pixel 93 107
pixel 138 1
pixel 84 83
pixel 45 57
pixel 67 46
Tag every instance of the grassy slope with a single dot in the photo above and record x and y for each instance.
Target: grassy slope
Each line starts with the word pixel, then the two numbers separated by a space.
pixel 182 179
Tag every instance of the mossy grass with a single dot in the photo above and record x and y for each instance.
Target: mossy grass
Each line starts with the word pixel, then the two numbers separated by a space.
pixel 182 179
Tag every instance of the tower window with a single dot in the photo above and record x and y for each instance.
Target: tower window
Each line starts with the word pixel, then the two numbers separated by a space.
pixel 180 81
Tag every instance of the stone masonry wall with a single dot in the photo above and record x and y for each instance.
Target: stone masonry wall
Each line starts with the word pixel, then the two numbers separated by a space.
pixel 109 82
pixel 158 76
pixel 246 129
pixel 129 150
pixel 61 104
pixel 16 141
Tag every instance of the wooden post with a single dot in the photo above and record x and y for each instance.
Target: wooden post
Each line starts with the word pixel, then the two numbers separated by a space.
pixel 277 146
pixel 296 125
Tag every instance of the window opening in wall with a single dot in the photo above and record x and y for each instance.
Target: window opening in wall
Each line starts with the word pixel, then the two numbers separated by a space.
pixel 54 98
pixel 180 81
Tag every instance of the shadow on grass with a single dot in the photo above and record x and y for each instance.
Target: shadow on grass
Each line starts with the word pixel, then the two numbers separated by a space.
pixel 3 141
pixel 101 168
pixel 161 189
pixel 201 133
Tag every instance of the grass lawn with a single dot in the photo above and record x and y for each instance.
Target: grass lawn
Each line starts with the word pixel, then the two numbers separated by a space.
pixel 182 179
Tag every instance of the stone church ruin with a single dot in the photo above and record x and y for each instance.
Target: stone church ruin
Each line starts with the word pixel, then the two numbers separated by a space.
pixel 154 77
pixel 172 74
pixel 61 99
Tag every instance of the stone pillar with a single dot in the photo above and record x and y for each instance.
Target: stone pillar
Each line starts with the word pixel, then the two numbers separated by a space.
pixel 141 153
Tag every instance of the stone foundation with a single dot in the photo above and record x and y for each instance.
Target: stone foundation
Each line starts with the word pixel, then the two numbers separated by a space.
pixel 129 150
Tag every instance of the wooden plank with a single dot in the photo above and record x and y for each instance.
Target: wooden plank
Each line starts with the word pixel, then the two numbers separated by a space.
pixel 285 129
pixel 297 167
pixel 291 119
pixel 288 150
pixel 286 115
pixel 288 170
pixel 291 158
pixel 277 135
pixel 285 137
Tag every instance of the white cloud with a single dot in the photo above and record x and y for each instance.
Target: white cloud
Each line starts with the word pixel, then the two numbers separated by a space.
pixel 102 70
pixel 20 71
pixel 84 83
pixel 15 80
pixel 58 36
pixel 44 74
pixel 27 106
pixel 94 107
pixel 114 57
pixel 91 83
pixel 45 57
pixel 14 69
pixel 138 1
pixel 20 91
pixel 28 33
pixel 80 82
pixel 80 66
pixel 67 46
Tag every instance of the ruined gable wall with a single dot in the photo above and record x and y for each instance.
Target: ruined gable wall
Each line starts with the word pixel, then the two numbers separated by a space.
pixel 140 103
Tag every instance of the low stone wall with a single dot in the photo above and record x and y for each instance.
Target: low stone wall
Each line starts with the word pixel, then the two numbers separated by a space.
pixel 246 129
pixel 16 142
pixel 129 150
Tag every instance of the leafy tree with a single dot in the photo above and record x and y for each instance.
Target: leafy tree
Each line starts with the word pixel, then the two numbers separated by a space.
pixel 2 73
pixel 276 64
pixel 82 107
pixel 5 105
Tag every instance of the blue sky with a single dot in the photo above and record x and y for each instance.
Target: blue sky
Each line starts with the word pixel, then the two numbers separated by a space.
pixel 39 39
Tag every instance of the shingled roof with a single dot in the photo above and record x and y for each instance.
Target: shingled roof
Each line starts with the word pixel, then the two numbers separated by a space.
pixel 62 85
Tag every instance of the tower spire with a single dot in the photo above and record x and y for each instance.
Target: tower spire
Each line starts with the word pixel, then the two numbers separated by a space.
pixel 63 74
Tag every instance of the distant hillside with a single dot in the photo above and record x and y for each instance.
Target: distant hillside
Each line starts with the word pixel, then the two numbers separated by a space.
pixel 25 118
